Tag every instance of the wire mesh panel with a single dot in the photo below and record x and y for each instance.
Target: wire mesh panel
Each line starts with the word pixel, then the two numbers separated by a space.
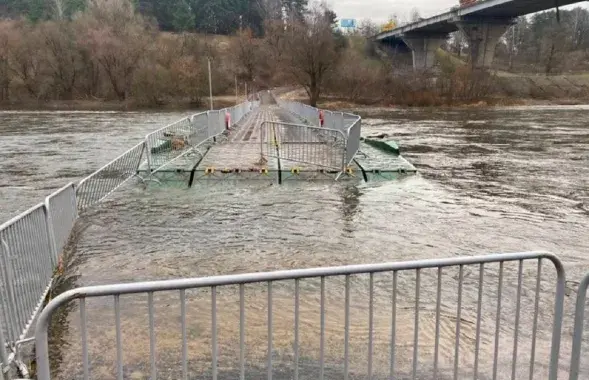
pixel 62 210
pixel 494 316
pixel 304 144
pixel 104 181
pixel 26 257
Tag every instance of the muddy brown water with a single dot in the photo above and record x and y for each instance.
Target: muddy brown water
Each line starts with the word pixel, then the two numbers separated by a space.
pixel 498 180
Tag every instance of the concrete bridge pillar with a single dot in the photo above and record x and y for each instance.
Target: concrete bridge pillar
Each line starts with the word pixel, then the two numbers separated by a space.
pixel 423 47
pixel 483 36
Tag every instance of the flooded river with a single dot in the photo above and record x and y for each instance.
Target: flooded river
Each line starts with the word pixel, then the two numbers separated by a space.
pixel 500 180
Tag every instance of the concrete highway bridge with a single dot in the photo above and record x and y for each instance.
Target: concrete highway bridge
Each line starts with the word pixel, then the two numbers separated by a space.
pixel 483 23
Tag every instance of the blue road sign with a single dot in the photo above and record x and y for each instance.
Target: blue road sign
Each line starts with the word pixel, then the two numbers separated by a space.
pixel 348 23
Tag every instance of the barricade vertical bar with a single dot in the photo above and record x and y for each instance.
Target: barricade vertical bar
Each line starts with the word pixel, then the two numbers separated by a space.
pixel 296 331
pixel 558 315
pixel 242 332
pixel 517 312
pixel 370 323
pixel 347 329
pixel 269 330
pixel 214 329
pixel 50 233
pixel 83 323
pixel 151 336
pixel 498 320
pixel 458 322
pixel 119 338
pixel 184 339
pixel 14 315
pixel 535 323
pixel 416 331
pixel 393 325
pixel 578 329
pixel 478 327
pixel 322 332
pixel 438 306
pixel 3 355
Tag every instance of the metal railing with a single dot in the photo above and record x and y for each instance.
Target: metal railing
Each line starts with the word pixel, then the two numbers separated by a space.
pixel 30 246
pixel 304 144
pixel 110 177
pixel 62 215
pixel 349 124
pixel 26 261
pixel 182 137
pixel 468 316
pixel 31 243
pixel 354 133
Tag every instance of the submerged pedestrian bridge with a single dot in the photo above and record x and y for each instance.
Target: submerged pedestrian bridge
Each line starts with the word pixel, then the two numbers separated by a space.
pixel 502 316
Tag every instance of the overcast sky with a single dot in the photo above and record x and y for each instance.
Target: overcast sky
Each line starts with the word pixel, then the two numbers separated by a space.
pixel 380 10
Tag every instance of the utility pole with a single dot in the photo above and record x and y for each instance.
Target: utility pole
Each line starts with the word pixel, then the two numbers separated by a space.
pixel 210 83
pixel 246 91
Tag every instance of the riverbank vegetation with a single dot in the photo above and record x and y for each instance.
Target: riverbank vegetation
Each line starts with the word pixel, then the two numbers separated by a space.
pixel 156 53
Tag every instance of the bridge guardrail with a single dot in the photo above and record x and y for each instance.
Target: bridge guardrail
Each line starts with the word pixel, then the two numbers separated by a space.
pixel 462 316
pixel 303 143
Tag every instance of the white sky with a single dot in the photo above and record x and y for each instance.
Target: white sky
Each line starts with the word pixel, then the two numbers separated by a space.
pixel 380 10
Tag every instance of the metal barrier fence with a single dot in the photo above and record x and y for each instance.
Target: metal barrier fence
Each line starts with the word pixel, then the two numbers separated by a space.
pixel 63 213
pixel 349 124
pixel 30 246
pixel 476 317
pixel 110 177
pixel 26 254
pixel 31 243
pixel 171 141
pixel 174 141
pixel 353 142
pixel 302 143
pixel 580 306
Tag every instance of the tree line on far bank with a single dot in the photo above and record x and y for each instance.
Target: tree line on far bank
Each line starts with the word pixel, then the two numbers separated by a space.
pixel 201 16
pixel 112 51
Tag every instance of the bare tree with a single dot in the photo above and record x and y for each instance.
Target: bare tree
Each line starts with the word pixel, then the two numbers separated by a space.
pixel 62 56
pixel 415 16
pixel 27 60
pixel 307 52
pixel 8 40
pixel 244 50
pixel 368 28
pixel 118 38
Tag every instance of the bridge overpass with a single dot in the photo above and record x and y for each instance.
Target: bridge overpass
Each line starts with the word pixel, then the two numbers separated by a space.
pixel 483 23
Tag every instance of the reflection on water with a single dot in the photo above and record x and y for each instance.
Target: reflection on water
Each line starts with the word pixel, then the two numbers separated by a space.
pixel 512 179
